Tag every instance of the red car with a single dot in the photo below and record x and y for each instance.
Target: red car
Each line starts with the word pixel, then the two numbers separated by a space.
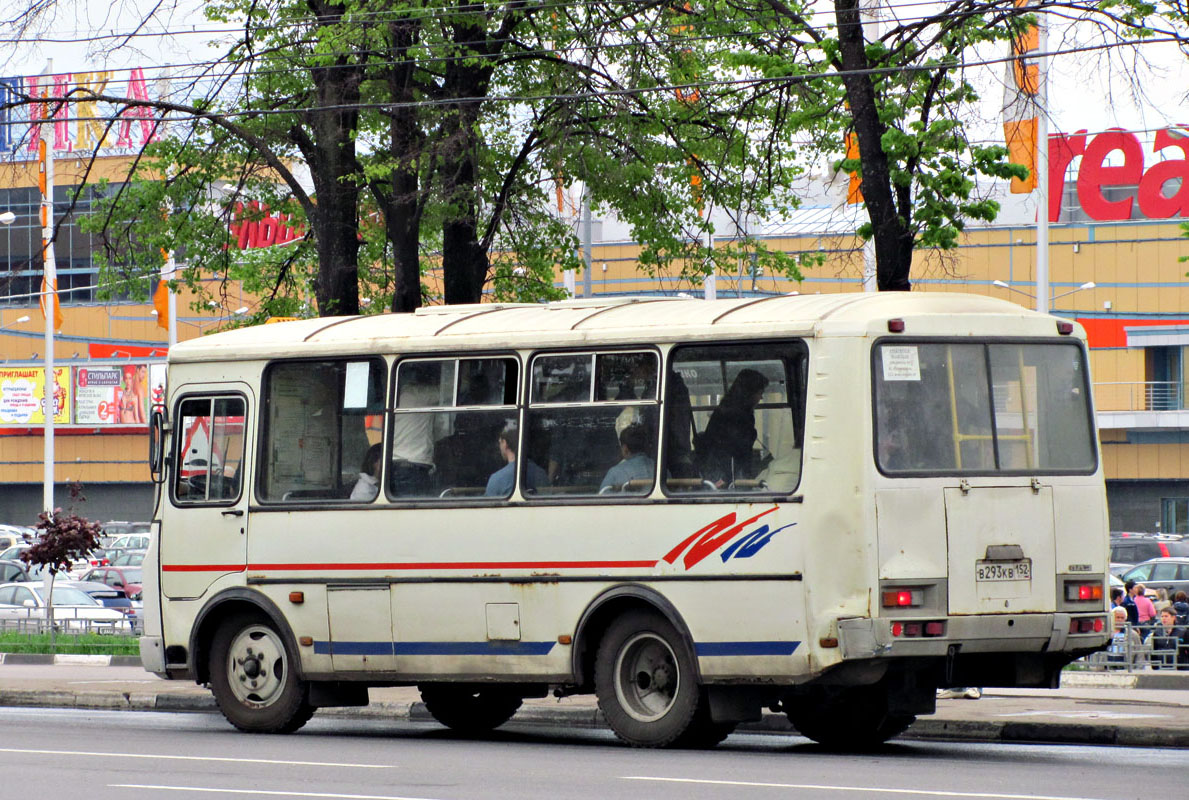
pixel 126 579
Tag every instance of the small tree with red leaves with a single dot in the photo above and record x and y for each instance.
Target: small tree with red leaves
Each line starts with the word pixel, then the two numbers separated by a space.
pixel 65 538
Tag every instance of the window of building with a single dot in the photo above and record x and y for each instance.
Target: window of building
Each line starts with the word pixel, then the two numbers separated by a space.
pixel 1174 512
pixel 21 262
pixel 323 421
pixel 592 424
pixel 735 418
pixel 453 429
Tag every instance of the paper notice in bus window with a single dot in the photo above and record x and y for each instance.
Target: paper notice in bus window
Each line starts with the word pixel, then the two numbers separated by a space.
pixel 355 390
pixel 900 363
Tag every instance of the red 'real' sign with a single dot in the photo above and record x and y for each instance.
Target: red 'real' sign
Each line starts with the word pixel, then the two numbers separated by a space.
pixel 1094 175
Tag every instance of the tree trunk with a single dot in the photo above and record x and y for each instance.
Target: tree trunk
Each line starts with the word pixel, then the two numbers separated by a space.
pixel 891 231
pixel 333 120
pixel 464 260
pixel 401 196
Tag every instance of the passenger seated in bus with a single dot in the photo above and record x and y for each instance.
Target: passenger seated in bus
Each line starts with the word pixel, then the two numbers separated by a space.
pixel 637 464
pixel 502 481
pixel 680 429
pixel 411 473
pixel 725 448
pixel 367 487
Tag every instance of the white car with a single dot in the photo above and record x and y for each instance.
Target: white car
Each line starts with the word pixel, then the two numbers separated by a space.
pixel 130 541
pixel 12 535
pixel 74 609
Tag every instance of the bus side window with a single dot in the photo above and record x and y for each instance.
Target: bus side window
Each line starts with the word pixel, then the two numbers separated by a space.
pixel 321 418
pixel 735 418
pixel 446 426
pixel 592 423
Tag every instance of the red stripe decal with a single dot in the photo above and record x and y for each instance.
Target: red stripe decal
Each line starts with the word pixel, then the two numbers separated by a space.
pixel 426 565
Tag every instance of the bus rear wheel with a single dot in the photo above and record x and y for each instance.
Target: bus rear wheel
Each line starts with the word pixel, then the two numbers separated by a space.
pixel 470 709
pixel 253 679
pixel 644 679
pixel 855 718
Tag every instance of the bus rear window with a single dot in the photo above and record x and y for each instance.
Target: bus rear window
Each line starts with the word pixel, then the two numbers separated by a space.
pixel 951 407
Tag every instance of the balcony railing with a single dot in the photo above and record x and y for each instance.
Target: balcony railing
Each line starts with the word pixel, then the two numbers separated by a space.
pixel 1139 396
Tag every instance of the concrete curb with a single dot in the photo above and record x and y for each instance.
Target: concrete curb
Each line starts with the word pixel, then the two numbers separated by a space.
pixel 69 659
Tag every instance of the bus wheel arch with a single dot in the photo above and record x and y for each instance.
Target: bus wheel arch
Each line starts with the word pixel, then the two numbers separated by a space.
pixel 604 610
pixel 230 603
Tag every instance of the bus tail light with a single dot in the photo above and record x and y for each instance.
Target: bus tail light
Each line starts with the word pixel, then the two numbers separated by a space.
pixel 1078 591
pixel 1087 625
pixel 913 630
pixel 903 598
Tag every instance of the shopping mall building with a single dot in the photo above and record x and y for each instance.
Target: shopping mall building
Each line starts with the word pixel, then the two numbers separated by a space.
pixel 1118 202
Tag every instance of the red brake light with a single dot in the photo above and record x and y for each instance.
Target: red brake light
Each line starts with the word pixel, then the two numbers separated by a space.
pixel 1163 549
pixel 1064 328
pixel 902 598
pixel 895 326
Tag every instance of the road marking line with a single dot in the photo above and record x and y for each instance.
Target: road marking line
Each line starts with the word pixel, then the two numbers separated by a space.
pixel 263 792
pixel 880 789
pixel 190 758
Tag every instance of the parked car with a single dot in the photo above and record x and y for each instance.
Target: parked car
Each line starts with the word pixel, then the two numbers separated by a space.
pixel 1136 547
pixel 15 534
pixel 130 541
pixel 12 571
pixel 74 609
pixel 128 558
pixel 14 552
pixel 1161 573
pixel 113 529
pixel 126 579
pixel 111 597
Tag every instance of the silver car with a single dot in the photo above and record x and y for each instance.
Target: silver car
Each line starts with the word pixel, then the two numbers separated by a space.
pixel 24 605
pixel 1161 573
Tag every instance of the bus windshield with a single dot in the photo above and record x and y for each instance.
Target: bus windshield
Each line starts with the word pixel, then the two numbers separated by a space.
pixel 953 407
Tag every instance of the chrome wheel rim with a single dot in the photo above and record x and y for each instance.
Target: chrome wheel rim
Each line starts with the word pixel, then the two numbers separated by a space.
pixel 647 678
pixel 256 666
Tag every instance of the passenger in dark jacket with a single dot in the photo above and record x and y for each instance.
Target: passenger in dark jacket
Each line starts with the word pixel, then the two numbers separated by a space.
pixel 725 447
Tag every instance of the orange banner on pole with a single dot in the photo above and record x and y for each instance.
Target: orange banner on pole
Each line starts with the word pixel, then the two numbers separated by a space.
pixel 1021 111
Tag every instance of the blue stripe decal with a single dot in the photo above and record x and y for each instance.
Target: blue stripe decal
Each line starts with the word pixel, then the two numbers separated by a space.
pixel 745 648
pixel 434 648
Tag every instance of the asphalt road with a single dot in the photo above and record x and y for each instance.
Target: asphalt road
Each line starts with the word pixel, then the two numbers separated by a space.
pixel 105 755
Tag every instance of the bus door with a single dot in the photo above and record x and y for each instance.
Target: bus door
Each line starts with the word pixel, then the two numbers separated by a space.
pixel 205 535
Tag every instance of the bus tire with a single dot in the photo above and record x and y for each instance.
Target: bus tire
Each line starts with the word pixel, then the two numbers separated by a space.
pixel 253 679
pixel 469 709
pixel 644 679
pixel 847 719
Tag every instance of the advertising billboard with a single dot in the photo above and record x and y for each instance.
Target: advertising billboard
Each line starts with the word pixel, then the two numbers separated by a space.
pixel 22 395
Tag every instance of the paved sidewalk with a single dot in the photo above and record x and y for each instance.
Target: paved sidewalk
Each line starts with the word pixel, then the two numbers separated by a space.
pixel 1090 708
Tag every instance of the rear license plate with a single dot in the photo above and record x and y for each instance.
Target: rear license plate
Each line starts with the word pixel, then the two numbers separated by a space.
pixel 994 571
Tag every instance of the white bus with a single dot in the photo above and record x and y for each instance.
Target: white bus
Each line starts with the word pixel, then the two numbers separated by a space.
pixel 829 505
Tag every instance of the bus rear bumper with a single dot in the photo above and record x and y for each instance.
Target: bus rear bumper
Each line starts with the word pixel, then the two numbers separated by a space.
pixel 862 638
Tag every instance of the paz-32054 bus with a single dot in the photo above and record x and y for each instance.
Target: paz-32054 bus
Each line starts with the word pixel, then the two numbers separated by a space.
pixel 831 505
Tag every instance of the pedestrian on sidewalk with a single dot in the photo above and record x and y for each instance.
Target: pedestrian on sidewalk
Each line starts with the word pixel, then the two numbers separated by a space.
pixel 1168 638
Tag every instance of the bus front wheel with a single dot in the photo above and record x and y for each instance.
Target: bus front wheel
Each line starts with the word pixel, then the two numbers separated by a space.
pixel 467 709
pixel 253 679
pixel 644 679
